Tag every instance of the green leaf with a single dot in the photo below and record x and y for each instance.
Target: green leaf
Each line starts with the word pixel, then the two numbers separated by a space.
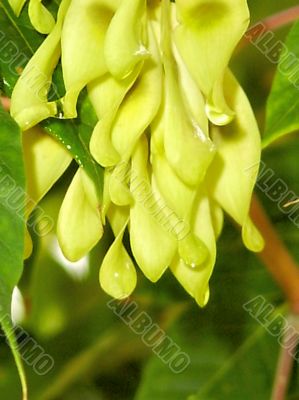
pixel 12 225
pixel 283 103
pixel 18 42
pixel 75 139
pixel 23 40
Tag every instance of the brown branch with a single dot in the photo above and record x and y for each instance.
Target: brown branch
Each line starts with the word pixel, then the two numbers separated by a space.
pixel 271 23
pixel 285 271
pixel 285 362
pixel 282 18
pixel 276 257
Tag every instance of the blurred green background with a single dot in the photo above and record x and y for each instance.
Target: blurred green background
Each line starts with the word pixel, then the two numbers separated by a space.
pixel 97 357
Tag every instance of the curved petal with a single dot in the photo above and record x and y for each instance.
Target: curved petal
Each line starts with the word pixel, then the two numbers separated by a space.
pixel 45 161
pixel 196 280
pixel 82 43
pixel 206 37
pixel 188 150
pixel 178 196
pixel 41 19
pixel 118 276
pixel 153 245
pixel 29 102
pixel 141 105
pixel 100 145
pixel 126 38
pixel 191 94
pixel 233 173
pixel 106 95
pixel 79 225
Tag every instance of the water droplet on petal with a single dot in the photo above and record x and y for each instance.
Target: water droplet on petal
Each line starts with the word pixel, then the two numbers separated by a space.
pixel 192 251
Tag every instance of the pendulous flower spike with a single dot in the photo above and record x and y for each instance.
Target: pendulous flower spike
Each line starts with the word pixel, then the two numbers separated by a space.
pixel 175 134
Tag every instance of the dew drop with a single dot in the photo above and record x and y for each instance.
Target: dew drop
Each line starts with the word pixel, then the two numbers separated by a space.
pixel 192 251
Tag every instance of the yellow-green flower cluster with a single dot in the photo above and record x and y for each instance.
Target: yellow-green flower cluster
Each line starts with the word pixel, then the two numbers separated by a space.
pixel 175 134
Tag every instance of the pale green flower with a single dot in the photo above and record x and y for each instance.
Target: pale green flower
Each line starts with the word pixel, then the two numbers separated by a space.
pixel 29 102
pixel 45 161
pixel 79 226
pixel 176 135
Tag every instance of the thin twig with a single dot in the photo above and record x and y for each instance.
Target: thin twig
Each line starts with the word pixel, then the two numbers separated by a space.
pixel 282 18
pixel 286 361
pixel 271 23
pixel 276 257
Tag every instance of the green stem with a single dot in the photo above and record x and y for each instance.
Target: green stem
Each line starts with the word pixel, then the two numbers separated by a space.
pixel 8 330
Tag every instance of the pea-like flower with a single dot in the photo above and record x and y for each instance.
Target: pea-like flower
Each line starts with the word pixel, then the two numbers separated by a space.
pixel 176 135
